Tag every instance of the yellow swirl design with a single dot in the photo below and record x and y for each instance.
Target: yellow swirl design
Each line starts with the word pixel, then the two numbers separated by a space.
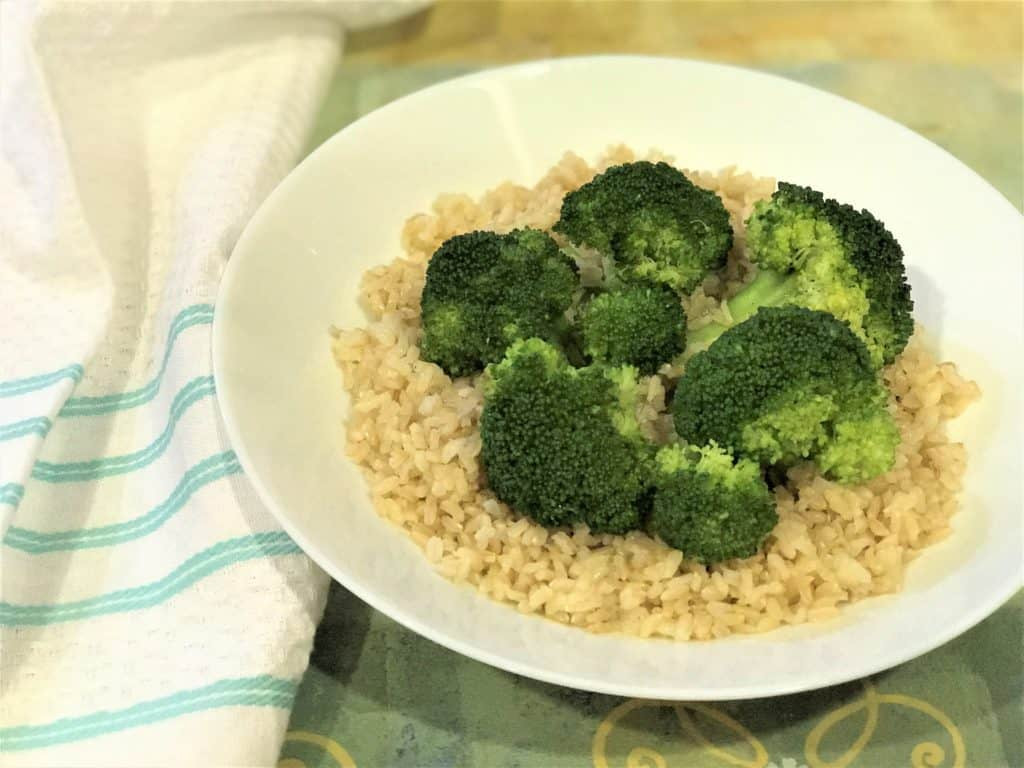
pixel 645 757
pixel 330 746
pixel 760 756
pixel 927 754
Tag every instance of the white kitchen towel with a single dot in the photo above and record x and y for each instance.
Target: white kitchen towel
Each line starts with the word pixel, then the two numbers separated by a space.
pixel 152 612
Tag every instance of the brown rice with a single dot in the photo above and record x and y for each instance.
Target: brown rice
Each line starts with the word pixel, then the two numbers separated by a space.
pixel 415 434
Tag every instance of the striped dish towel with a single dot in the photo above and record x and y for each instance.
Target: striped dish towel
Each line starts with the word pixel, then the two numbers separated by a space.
pixel 152 612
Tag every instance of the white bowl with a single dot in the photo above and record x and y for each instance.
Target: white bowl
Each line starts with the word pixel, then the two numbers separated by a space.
pixel 296 269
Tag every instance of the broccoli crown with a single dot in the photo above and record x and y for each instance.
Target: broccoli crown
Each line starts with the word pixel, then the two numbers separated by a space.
pixel 484 290
pixel 790 384
pixel 642 325
pixel 709 506
pixel 562 444
pixel 653 222
pixel 843 261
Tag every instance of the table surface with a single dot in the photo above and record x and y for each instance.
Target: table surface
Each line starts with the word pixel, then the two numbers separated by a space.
pixel 379 695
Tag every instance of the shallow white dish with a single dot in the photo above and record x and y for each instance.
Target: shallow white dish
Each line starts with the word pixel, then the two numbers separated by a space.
pixel 296 269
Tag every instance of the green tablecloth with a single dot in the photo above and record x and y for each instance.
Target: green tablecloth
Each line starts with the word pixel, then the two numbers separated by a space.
pixel 378 695
pixel 391 698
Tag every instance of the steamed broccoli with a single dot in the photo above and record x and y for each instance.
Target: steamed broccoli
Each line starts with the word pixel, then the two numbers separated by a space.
pixel 652 221
pixel 562 444
pixel 819 254
pixel 790 384
pixel 484 291
pixel 709 506
pixel 643 325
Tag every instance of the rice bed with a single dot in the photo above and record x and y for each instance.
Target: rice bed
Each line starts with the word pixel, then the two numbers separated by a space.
pixel 415 434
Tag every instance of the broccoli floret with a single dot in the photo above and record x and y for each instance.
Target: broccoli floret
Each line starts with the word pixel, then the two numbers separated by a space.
pixel 786 385
pixel 709 506
pixel 642 325
pixel 820 254
pixel 653 222
pixel 562 445
pixel 484 291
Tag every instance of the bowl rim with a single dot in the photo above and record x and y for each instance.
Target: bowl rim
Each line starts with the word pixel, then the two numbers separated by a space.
pixel 983 608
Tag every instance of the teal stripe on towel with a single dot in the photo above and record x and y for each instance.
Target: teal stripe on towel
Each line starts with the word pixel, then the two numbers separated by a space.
pixel 197 314
pixel 39 425
pixel 197 567
pixel 205 472
pixel 11 493
pixel 258 691
pixel 32 383
pixel 66 472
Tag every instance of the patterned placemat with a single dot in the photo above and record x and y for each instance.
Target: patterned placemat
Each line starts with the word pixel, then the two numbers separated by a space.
pixel 379 695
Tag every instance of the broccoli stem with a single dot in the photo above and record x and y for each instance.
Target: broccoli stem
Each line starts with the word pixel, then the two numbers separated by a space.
pixel 567 337
pixel 768 289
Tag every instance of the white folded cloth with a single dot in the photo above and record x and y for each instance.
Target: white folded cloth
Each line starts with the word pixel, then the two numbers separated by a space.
pixel 152 611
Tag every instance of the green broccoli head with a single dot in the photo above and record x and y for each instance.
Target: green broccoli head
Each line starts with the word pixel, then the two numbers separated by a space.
pixel 484 291
pixel 653 221
pixel 562 444
pixel 709 506
pixel 643 325
pixel 842 261
pixel 787 385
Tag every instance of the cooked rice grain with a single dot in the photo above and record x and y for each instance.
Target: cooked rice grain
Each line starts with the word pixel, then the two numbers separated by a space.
pixel 415 433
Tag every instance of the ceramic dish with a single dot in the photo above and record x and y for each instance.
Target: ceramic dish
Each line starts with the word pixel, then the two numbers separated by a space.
pixel 296 271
